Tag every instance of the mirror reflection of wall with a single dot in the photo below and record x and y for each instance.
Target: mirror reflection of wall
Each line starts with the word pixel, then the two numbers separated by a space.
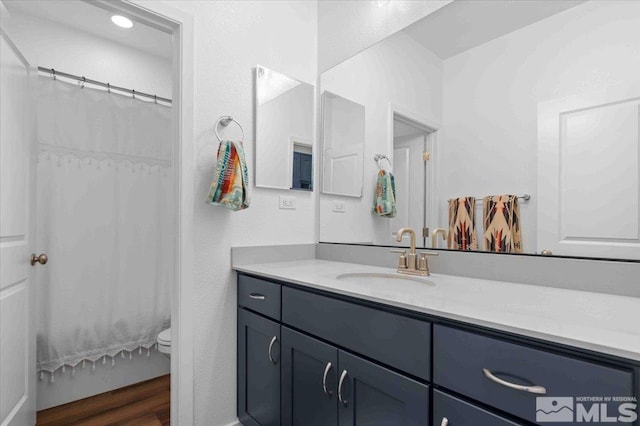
pixel 284 131
pixel 487 90
pixel 387 79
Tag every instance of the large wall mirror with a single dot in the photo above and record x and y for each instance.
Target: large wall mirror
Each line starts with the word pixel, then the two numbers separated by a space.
pixel 509 127
pixel 284 131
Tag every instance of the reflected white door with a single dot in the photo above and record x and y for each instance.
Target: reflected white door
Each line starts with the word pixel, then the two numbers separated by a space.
pixel 17 338
pixel 409 174
pixel 589 174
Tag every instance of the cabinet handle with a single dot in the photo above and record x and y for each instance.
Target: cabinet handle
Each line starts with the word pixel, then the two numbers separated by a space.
pixel 539 390
pixel 445 422
pixel 342 377
pixel 273 341
pixel 324 380
pixel 257 296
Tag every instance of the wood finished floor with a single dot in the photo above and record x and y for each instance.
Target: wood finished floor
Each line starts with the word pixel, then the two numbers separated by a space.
pixel 142 404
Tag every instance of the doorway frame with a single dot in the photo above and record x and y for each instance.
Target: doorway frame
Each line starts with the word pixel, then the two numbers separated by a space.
pixel 180 25
pixel 431 128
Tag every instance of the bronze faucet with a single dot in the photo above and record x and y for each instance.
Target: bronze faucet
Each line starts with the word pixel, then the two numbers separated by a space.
pixel 410 264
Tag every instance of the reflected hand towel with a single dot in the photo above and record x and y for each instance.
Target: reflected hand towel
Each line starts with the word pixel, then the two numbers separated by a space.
pixel 384 200
pixel 462 224
pixel 230 184
pixel 501 224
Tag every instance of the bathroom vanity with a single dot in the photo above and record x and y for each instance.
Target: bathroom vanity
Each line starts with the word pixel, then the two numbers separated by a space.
pixel 314 349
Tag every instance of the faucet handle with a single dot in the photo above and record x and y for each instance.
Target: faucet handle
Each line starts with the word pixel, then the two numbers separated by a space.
pixel 402 261
pixel 423 265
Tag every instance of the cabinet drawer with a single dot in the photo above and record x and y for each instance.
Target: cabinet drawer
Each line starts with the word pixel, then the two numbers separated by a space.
pixel 451 411
pixel 397 341
pixel 259 295
pixel 461 358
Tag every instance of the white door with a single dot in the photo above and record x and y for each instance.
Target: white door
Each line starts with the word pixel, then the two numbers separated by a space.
pixel 589 174
pixel 17 317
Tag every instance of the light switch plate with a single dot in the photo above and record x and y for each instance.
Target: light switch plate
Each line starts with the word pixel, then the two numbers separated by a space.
pixel 339 206
pixel 287 202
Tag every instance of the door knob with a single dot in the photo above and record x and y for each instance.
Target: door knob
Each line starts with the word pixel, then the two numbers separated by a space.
pixel 42 259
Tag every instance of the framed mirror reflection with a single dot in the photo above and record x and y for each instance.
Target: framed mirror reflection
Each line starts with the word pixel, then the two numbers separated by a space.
pixel 509 127
pixel 284 131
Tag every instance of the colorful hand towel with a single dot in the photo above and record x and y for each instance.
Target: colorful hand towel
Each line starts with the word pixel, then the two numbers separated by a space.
pixel 462 224
pixel 501 224
pixel 230 184
pixel 384 200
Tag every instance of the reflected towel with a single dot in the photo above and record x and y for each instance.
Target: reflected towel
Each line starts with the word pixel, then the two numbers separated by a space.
pixel 384 200
pixel 230 184
pixel 501 217
pixel 462 224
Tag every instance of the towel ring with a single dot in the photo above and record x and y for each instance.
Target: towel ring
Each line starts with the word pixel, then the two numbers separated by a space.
pixel 378 157
pixel 224 121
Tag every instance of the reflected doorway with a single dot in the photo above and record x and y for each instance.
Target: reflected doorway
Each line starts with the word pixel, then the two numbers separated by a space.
pixel 413 143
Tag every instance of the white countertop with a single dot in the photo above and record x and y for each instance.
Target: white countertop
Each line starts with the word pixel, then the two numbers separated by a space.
pixel 599 322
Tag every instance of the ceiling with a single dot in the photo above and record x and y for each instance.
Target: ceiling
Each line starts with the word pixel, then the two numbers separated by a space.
pixel 94 20
pixel 464 24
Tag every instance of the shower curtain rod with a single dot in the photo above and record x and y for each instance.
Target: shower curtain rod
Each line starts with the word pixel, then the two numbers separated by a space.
pixel 54 73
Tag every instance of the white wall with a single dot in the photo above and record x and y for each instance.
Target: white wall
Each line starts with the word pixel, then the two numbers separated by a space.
pixel 231 37
pixel 491 94
pixel 50 44
pixel 348 27
pixel 403 73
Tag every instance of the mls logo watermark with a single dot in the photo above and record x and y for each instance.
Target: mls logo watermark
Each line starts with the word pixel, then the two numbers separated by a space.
pixel 554 409
pixel 586 409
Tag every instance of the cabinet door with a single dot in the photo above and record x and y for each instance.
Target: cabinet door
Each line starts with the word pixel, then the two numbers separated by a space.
pixel 258 370
pixel 309 381
pixel 371 395
pixel 451 411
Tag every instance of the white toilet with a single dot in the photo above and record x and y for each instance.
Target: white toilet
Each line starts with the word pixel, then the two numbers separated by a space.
pixel 164 342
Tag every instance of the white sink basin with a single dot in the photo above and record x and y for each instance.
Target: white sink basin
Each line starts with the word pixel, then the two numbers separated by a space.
pixel 382 278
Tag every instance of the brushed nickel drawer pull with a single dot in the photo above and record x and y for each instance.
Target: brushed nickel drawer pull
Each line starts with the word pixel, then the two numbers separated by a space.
pixel 445 422
pixel 257 296
pixel 538 390
pixel 324 380
pixel 340 383
pixel 273 341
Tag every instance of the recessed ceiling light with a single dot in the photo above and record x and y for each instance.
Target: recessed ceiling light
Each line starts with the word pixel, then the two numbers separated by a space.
pixel 122 21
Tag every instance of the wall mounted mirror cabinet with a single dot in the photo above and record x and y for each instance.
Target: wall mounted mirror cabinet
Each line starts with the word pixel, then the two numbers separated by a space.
pixel 284 131
pixel 536 100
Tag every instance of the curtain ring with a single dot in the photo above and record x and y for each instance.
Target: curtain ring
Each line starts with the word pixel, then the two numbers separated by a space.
pixel 155 99
pixel 133 93
pixel 53 73
pixel 84 80
pixel 108 88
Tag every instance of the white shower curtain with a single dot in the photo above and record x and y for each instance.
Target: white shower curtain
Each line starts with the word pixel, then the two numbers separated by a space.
pixel 105 218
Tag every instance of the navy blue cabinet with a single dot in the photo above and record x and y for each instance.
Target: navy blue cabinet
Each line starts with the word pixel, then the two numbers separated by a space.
pixel 324 386
pixel 511 376
pixel 309 381
pixel 371 395
pixel 258 370
pixel 394 340
pixel 451 411
pixel 313 359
